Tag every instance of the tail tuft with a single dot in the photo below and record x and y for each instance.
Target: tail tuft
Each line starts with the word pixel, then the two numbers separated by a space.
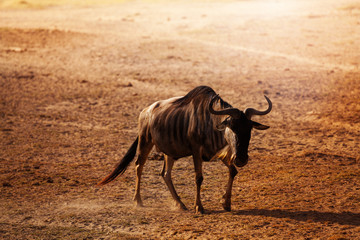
pixel 122 165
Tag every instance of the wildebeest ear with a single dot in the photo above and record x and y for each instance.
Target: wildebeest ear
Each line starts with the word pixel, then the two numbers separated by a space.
pixel 223 125
pixel 259 126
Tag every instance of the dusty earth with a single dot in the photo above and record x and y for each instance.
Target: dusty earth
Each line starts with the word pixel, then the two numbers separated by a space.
pixel 73 79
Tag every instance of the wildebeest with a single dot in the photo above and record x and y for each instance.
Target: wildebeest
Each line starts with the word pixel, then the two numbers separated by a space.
pixel 190 126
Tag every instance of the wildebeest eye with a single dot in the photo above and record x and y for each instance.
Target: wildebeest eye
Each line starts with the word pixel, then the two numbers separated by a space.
pixel 221 126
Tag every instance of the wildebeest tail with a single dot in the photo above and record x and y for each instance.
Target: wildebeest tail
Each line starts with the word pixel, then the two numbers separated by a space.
pixel 122 165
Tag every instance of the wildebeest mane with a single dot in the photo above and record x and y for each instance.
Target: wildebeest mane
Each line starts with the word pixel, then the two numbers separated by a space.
pixel 199 95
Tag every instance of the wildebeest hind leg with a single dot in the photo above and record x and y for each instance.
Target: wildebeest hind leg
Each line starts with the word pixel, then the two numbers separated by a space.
pixel 144 150
pixel 198 179
pixel 166 174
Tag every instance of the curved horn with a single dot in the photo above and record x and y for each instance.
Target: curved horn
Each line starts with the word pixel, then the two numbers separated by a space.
pixel 249 112
pixel 233 112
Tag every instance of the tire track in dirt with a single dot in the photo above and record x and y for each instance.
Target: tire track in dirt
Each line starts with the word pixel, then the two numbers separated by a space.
pixel 294 58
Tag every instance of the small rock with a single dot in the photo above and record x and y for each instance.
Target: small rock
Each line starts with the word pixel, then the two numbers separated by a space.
pixel 7 130
pixel 6 184
pixel 15 49
pixel 49 180
pixel 73 183
pixel 27 218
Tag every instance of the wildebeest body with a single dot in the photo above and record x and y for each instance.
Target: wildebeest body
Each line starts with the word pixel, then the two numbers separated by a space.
pixel 177 126
pixel 190 126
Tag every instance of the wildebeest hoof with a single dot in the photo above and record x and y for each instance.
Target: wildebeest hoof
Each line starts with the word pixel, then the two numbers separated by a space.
pixel 226 207
pixel 138 202
pixel 181 206
pixel 199 209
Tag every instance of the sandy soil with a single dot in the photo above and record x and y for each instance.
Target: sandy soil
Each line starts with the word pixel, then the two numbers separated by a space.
pixel 73 80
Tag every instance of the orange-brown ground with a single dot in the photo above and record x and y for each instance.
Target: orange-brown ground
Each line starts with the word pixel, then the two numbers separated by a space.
pixel 73 80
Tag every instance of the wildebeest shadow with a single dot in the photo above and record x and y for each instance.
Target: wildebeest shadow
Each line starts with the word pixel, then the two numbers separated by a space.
pixel 344 218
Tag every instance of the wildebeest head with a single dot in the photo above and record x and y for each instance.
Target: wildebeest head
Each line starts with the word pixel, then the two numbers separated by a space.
pixel 237 127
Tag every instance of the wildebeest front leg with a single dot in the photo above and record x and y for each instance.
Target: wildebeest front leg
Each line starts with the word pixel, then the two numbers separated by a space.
pixel 227 196
pixel 198 179
pixel 166 174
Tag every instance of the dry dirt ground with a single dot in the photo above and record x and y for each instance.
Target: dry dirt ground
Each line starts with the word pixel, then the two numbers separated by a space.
pixel 73 80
